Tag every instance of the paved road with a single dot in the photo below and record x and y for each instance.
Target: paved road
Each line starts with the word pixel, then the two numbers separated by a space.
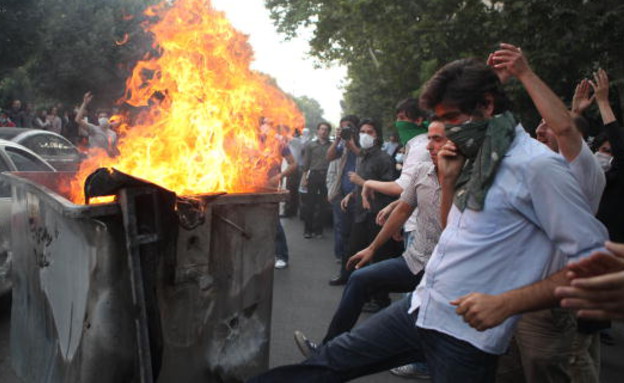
pixel 304 301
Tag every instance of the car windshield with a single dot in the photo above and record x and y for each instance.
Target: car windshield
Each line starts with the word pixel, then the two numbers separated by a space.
pixel 25 162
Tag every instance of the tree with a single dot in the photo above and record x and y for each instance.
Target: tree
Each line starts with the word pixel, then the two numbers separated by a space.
pixel 392 48
pixel 312 111
pixel 71 46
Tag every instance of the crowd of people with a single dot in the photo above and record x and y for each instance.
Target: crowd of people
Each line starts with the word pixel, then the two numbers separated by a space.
pixel 83 128
pixel 491 233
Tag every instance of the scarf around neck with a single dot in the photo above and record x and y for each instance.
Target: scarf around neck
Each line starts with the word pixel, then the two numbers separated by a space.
pixel 484 144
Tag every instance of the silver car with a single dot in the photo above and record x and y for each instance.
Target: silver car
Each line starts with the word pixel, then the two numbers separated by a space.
pixel 52 147
pixel 13 157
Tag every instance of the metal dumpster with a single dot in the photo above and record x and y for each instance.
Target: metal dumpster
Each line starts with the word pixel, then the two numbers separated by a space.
pixel 73 319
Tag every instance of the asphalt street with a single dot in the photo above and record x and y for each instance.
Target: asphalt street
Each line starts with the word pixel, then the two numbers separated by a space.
pixel 304 301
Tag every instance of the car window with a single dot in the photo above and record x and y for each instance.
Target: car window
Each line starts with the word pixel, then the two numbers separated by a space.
pixel 5 187
pixel 48 145
pixel 25 162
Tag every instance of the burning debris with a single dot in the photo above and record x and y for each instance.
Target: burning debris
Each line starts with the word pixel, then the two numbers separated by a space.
pixel 201 134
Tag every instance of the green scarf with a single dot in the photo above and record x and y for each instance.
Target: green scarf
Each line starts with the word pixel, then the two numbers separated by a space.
pixel 408 130
pixel 484 144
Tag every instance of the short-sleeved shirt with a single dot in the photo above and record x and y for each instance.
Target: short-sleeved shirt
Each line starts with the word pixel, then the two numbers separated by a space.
pixel 415 152
pixel 423 193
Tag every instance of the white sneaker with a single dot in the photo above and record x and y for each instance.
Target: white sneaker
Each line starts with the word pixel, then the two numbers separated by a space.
pixel 281 264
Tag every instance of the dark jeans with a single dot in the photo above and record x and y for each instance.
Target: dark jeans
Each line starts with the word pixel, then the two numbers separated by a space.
pixel 314 207
pixel 342 221
pixel 389 276
pixel 361 235
pixel 390 339
pixel 291 207
pixel 281 247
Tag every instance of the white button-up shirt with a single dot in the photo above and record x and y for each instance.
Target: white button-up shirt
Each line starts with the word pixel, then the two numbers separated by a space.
pixel 533 208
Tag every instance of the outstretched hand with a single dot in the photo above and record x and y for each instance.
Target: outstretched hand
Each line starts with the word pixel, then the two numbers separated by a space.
pixel 600 84
pixel 87 98
pixel 582 99
pixel 509 61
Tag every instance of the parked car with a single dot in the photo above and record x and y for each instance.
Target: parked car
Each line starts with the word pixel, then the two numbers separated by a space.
pixel 52 147
pixel 13 157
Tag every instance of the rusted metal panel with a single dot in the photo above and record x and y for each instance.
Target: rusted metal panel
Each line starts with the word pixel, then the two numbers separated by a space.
pixel 72 318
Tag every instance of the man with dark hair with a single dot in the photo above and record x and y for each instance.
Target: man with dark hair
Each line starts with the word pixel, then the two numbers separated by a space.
pixel 315 170
pixel 509 197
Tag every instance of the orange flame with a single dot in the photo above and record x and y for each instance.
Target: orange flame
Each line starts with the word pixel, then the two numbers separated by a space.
pixel 200 129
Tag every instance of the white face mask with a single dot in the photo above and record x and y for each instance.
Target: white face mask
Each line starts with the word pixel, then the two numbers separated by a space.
pixel 399 158
pixel 366 141
pixel 604 160
pixel 103 121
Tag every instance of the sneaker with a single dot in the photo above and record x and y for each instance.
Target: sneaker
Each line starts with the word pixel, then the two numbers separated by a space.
pixel 306 346
pixel 414 370
pixel 281 264
pixel 319 236
pixel 307 235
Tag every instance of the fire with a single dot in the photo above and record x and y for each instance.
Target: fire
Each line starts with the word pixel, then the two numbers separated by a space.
pixel 199 131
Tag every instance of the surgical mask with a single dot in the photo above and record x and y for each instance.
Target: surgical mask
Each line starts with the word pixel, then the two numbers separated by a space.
pixel 103 121
pixel 604 160
pixel 399 158
pixel 366 141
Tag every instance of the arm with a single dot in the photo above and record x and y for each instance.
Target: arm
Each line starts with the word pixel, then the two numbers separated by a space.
pixel 555 198
pixel 450 163
pixel 82 124
pixel 550 107
pixel 615 133
pixel 396 220
pixel 597 285
pixel 390 188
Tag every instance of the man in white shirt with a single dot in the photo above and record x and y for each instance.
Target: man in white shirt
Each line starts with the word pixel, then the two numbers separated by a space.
pixel 511 199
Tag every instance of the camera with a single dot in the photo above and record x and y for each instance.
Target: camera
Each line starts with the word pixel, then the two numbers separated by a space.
pixel 347 132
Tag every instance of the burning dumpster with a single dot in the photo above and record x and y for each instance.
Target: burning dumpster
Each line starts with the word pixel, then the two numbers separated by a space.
pixel 205 282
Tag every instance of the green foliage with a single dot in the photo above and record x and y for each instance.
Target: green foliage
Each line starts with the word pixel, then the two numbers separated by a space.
pixel 312 111
pixel 392 48
pixel 68 47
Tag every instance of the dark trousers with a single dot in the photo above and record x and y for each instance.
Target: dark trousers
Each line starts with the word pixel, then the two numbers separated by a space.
pixel 281 246
pixel 291 207
pixel 390 339
pixel 315 203
pixel 389 276
pixel 361 235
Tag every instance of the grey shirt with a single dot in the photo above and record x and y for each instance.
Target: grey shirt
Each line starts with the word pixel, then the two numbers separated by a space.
pixel 314 156
pixel 423 192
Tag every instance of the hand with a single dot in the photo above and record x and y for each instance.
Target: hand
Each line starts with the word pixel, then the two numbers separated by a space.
pixel 345 202
pixel 360 259
pixel 383 214
pixel 600 84
pixel 598 263
pixel 502 73
pixel 275 181
pixel 450 162
pixel 581 99
pixel 338 132
pixel 367 196
pixel 511 60
pixel 86 99
pixel 355 178
pixel 600 297
pixel 481 311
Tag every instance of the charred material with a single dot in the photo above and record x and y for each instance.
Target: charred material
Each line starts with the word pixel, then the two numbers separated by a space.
pixel 207 284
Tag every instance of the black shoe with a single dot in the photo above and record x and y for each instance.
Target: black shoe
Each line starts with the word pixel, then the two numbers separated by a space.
pixel 338 280
pixel 306 346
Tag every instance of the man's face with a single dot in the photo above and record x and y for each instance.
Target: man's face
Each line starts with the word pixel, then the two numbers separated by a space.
pixel 368 129
pixel 401 116
pixel 323 132
pixel 546 136
pixel 451 115
pixel 17 104
pixel 437 139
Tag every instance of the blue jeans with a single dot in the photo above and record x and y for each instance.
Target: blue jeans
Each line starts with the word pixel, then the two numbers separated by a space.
pixel 389 339
pixel 281 247
pixel 391 275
